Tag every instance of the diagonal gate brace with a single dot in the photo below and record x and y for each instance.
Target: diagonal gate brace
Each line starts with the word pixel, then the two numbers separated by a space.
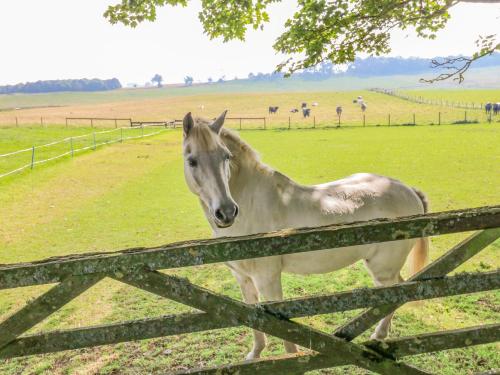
pixel 224 308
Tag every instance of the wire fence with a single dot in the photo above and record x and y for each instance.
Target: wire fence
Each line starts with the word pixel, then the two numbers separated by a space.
pixel 423 100
pixel 367 119
pixel 28 158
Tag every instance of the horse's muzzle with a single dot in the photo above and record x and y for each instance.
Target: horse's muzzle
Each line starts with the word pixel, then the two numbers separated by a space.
pixel 225 215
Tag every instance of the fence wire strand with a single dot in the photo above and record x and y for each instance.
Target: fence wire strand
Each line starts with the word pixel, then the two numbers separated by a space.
pixel 72 150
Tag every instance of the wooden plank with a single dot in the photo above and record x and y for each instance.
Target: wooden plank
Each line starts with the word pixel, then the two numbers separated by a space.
pixel 56 341
pixel 46 342
pixel 254 246
pixel 41 307
pixel 437 341
pixel 399 293
pixel 97 118
pixel 404 346
pixel 223 308
pixel 445 264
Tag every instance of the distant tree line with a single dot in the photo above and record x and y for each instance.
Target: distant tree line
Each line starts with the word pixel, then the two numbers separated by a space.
pixel 62 85
pixel 370 66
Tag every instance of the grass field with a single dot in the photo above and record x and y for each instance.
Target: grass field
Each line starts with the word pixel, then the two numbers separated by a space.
pixel 54 141
pixel 248 104
pixel 133 194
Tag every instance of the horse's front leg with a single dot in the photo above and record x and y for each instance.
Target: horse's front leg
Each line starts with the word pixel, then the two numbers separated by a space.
pixel 250 295
pixel 270 289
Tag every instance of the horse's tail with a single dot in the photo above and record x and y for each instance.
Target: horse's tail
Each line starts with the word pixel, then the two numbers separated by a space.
pixel 420 252
pixel 423 199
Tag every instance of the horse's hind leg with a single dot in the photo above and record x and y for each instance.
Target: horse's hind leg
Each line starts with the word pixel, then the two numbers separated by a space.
pixel 250 295
pixel 384 326
pixel 385 266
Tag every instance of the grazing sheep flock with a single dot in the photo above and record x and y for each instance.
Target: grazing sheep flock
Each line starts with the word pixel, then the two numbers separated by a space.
pixel 306 111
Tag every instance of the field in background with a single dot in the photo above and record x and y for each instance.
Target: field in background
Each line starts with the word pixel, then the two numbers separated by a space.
pixel 476 78
pixel 460 96
pixel 382 110
pixel 133 194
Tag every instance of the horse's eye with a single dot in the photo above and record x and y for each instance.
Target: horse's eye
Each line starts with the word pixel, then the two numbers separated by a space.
pixel 227 157
pixel 192 162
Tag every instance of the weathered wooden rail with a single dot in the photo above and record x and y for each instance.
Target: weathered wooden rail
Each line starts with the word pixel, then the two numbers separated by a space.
pixel 166 123
pixel 138 267
pixel 92 120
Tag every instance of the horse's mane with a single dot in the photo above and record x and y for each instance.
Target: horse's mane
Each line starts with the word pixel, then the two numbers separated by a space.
pixel 242 152
pixel 238 147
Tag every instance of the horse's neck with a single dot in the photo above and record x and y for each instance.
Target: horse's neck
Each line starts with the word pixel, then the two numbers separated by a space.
pixel 252 183
pixel 258 191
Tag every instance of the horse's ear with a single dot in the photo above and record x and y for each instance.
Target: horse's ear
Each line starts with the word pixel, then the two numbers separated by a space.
pixel 187 124
pixel 217 124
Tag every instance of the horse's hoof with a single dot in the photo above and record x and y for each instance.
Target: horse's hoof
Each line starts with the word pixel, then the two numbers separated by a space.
pixel 378 337
pixel 251 356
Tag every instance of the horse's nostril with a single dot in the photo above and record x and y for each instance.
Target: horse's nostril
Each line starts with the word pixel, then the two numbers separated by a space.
pixel 236 210
pixel 219 215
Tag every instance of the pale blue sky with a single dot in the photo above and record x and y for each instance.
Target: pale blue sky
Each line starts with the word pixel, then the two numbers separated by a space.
pixel 70 39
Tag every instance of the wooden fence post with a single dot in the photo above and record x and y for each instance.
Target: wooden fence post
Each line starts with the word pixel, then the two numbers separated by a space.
pixel 314 122
pixel 364 120
pixel 91 122
pixel 17 124
pixel 439 118
pixel 289 122
pixel 240 123
pixel 41 122
pixel 32 157
pixel 264 123
pixel 116 125
pixel 66 121
pixel 389 119
pixel 121 134
pixel 71 145
pixel 465 117
pixel 414 123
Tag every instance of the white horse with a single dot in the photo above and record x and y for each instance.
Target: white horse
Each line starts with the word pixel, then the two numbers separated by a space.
pixel 240 195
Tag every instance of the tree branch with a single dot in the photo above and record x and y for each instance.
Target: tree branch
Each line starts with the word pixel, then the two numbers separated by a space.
pixel 456 72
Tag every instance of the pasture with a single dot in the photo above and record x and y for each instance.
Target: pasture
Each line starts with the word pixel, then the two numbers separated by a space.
pixel 28 147
pixel 133 194
pixel 173 103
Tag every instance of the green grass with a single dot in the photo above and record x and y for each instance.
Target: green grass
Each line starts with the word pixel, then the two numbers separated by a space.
pixel 133 194
pixel 65 139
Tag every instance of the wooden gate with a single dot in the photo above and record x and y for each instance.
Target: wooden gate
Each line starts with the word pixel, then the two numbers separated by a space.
pixel 139 268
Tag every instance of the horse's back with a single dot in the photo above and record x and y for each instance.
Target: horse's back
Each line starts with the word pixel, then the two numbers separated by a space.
pixel 365 196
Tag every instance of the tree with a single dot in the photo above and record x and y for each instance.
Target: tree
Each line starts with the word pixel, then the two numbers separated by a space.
pixel 188 80
pixel 210 80
pixel 321 30
pixel 158 79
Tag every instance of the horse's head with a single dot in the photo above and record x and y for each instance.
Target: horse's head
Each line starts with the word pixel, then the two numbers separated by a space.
pixel 206 168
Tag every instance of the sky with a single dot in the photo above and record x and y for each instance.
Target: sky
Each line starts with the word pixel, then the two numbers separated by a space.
pixel 60 39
